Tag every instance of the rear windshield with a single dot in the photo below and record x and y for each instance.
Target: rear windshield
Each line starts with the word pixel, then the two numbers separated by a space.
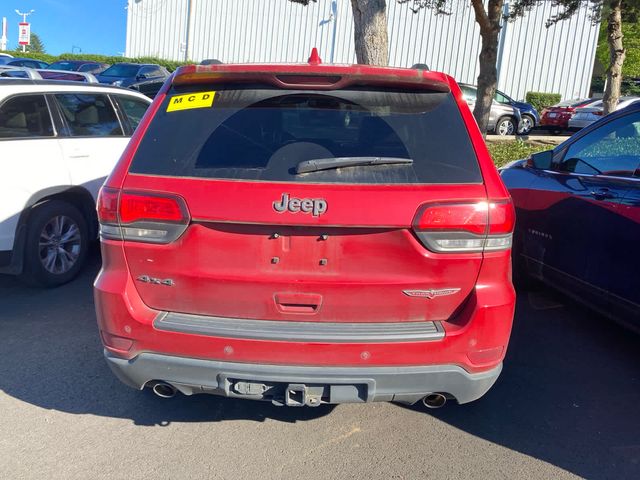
pixel 263 134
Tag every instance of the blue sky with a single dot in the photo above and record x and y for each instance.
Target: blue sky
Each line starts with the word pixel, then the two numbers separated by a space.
pixel 96 26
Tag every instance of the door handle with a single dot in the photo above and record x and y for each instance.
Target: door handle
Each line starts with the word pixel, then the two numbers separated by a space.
pixel 602 194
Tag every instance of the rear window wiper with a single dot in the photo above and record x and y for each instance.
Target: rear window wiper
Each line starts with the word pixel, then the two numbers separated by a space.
pixel 318 164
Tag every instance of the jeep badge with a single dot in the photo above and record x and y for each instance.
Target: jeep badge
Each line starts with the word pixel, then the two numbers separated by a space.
pixel 315 206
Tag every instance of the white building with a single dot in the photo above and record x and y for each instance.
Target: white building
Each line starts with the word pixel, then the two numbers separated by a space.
pixel 531 57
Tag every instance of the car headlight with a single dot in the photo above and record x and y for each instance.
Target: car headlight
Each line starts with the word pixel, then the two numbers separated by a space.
pixel 117 83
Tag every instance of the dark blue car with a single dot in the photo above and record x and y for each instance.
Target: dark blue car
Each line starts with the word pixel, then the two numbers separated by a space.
pixel 578 216
pixel 23 62
pixel 530 116
pixel 126 74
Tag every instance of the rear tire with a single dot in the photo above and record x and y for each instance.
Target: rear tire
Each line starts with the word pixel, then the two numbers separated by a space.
pixel 56 244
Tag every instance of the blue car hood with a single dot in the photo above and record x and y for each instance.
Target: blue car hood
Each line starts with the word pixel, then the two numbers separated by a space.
pixel 525 107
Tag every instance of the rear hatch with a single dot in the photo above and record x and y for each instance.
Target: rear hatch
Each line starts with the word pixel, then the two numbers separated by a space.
pixel 307 205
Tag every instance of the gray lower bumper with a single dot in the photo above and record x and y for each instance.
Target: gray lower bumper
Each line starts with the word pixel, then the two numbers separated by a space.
pixel 333 384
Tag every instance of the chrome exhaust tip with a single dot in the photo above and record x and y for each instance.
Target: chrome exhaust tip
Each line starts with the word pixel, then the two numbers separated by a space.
pixel 164 390
pixel 434 400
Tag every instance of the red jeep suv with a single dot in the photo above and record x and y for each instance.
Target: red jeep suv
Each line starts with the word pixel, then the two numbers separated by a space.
pixel 307 234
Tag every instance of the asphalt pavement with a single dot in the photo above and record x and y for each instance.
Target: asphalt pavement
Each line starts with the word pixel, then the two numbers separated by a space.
pixel 566 406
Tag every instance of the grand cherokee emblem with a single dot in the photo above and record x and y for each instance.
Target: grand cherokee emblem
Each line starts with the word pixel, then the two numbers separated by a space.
pixel 431 293
pixel 314 206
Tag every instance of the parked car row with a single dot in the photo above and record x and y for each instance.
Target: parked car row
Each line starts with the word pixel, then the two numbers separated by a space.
pixel 572 115
pixel 507 117
pixel 87 66
pixel 592 112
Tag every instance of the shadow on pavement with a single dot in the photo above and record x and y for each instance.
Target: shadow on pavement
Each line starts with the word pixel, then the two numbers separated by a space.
pixel 52 358
pixel 568 395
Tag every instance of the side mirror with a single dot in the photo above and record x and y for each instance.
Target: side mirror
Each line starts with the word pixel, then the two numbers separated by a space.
pixel 541 160
pixel 141 76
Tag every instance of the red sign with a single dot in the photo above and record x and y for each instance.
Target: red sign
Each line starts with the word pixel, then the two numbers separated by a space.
pixel 24 33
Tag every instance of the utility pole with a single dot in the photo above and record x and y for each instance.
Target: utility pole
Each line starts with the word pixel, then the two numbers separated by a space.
pixel 24 20
pixel 3 34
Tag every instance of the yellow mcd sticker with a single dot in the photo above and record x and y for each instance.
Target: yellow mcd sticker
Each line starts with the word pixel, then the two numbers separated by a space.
pixel 191 100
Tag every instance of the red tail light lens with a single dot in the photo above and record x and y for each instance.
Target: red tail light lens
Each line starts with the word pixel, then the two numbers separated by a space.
pixel 108 205
pixel 471 217
pixel 141 217
pixel 466 227
pixel 136 207
pixel 502 218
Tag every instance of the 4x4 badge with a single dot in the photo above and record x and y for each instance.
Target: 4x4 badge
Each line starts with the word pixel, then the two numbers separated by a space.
pixel 315 206
pixel 156 281
pixel 431 293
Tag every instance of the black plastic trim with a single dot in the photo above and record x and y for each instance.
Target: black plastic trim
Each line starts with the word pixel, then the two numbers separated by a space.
pixel 405 384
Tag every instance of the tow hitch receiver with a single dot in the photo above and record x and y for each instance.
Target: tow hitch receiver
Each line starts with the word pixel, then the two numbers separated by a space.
pixel 299 395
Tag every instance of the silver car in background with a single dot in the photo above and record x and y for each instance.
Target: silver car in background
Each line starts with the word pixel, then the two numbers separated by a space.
pixel 503 118
pixel 594 111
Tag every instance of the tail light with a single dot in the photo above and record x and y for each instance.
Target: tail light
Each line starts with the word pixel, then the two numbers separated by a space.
pixel 466 227
pixel 141 216
pixel 599 113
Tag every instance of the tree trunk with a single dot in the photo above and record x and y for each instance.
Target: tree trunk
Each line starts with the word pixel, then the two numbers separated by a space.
pixel 489 22
pixel 616 57
pixel 370 31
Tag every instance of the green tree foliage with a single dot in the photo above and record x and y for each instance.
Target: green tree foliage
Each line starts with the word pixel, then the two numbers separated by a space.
pixel 616 50
pixel 36 44
pixel 631 32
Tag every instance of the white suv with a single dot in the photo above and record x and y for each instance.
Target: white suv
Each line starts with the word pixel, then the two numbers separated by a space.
pixel 58 142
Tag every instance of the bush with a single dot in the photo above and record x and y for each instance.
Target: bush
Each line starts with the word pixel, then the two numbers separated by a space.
pixel 168 64
pixel 504 152
pixel 541 100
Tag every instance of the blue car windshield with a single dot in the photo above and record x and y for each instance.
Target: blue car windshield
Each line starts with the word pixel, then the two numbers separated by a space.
pixel 121 71
pixel 68 66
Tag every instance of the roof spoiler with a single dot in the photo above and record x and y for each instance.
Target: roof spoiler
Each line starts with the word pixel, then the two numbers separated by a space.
pixel 309 76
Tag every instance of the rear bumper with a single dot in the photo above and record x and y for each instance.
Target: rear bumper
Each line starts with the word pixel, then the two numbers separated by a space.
pixel 460 356
pixel 554 124
pixel 337 384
